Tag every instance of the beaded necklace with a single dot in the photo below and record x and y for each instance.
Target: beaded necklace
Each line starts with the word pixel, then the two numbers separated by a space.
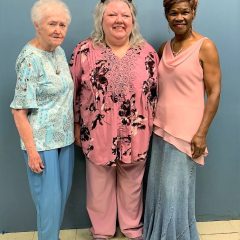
pixel 175 53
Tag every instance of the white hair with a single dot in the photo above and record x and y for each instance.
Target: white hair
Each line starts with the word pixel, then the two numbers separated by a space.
pixel 98 33
pixel 41 6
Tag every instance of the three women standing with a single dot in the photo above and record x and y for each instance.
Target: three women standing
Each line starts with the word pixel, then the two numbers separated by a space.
pixel 189 68
pixel 116 81
pixel 115 75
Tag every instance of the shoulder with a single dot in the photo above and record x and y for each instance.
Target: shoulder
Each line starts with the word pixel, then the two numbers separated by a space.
pixel 208 44
pixel 27 56
pixel 162 46
pixel 208 49
pixel 60 50
pixel 160 50
pixel 84 44
pixel 80 52
pixel 147 48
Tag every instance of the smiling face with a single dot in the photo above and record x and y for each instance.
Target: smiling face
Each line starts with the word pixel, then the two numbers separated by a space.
pixel 180 17
pixel 52 29
pixel 117 22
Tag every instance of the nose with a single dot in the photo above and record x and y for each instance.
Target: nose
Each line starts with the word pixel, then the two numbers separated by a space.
pixel 179 17
pixel 57 29
pixel 119 19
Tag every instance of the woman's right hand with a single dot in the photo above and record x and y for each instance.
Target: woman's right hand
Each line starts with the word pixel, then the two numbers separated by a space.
pixel 77 135
pixel 25 131
pixel 35 162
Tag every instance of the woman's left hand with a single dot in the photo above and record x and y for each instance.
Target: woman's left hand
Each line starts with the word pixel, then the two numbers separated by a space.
pixel 198 145
pixel 212 82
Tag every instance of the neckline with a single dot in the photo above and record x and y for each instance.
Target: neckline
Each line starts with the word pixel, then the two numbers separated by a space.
pixel 173 52
pixel 109 49
pixel 50 53
pixel 182 50
pixel 51 57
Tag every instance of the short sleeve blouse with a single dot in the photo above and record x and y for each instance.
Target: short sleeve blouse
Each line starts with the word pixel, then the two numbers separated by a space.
pixel 48 96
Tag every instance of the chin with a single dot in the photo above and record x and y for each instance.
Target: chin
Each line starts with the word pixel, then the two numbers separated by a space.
pixel 180 32
pixel 121 36
pixel 56 44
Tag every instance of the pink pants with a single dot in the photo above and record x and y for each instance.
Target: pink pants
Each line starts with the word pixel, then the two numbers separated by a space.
pixel 113 191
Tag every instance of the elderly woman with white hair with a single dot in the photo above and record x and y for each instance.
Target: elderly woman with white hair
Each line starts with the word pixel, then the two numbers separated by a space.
pixel 43 112
pixel 115 75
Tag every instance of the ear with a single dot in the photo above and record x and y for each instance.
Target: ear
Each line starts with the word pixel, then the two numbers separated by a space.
pixel 36 25
pixel 194 13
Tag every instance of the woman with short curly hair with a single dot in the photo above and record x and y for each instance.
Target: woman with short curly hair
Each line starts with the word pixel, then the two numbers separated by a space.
pixel 189 67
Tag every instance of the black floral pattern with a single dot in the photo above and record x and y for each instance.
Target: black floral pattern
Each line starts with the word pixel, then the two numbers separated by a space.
pixel 115 99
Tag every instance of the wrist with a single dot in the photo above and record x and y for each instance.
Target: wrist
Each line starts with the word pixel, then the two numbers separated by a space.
pixel 31 150
pixel 200 135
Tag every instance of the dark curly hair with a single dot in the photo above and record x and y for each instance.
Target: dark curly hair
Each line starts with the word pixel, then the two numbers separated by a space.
pixel 167 4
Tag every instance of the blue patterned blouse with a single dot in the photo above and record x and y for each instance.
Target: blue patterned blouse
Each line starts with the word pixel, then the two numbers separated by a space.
pixel 45 87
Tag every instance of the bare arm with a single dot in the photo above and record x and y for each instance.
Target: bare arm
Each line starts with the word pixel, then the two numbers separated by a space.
pixel 212 80
pixel 25 131
pixel 160 51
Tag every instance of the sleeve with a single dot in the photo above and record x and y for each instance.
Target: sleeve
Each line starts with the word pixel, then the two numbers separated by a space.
pixel 76 72
pixel 151 63
pixel 25 96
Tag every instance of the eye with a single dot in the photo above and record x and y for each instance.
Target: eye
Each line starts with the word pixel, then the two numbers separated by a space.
pixel 112 14
pixel 52 23
pixel 186 12
pixel 126 16
pixel 172 14
pixel 62 25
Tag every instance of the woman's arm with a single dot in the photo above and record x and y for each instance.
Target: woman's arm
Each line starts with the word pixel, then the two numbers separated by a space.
pixel 76 72
pixel 160 51
pixel 77 135
pixel 212 79
pixel 25 131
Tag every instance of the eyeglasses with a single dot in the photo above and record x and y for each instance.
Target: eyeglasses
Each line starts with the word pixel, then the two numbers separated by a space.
pixel 102 1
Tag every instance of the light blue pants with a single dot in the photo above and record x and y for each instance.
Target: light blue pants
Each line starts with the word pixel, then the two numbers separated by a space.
pixel 51 188
pixel 170 198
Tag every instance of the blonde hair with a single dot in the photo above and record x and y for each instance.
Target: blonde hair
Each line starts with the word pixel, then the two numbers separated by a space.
pixel 98 33
pixel 41 6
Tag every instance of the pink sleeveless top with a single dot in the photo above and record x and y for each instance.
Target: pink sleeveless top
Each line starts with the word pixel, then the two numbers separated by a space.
pixel 180 105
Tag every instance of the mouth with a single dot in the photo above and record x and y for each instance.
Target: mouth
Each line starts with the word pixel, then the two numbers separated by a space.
pixel 57 38
pixel 179 24
pixel 118 27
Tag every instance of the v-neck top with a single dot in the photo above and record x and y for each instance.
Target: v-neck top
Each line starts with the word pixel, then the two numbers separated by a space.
pixel 180 104
pixel 114 101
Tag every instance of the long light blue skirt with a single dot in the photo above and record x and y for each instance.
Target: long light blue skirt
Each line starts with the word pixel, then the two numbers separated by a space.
pixel 170 198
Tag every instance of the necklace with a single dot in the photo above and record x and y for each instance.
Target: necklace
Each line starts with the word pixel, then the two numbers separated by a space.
pixel 55 63
pixel 175 53
pixel 36 43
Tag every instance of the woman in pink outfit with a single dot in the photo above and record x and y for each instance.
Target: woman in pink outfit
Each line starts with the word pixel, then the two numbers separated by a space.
pixel 189 68
pixel 115 75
